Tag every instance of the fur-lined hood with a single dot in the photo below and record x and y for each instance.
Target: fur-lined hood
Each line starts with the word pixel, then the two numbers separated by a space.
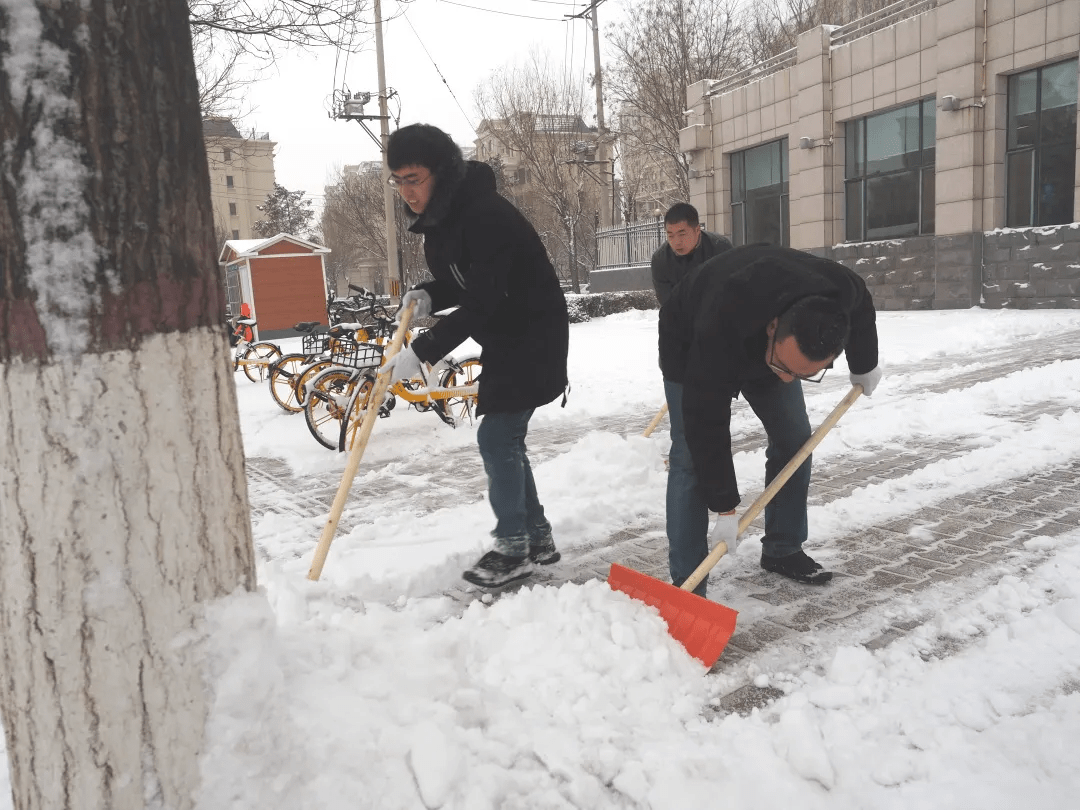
pixel 460 182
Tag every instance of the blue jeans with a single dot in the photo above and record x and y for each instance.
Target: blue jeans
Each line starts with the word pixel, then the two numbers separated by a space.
pixel 511 488
pixel 782 412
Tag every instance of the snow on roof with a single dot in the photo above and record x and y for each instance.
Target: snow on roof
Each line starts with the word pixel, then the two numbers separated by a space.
pixel 244 248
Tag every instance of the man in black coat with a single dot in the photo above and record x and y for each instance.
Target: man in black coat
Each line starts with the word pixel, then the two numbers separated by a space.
pixel 687 246
pixel 757 321
pixel 488 262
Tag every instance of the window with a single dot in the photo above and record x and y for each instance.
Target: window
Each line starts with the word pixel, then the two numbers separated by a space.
pixel 228 155
pixel 232 209
pixel 759 194
pixel 236 234
pixel 889 177
pixel 1040 154
pixel 228 181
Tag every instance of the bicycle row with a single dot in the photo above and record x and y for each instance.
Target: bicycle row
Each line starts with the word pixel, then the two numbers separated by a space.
pixel 331 379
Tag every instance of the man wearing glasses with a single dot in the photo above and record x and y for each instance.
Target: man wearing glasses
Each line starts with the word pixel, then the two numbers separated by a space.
pixel 755 321
pixel 488 263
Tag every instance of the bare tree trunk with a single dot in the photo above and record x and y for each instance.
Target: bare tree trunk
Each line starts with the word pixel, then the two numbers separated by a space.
pixel 123 504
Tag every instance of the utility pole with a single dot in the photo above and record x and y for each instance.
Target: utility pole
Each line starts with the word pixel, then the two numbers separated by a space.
pixel 604 137
pixel 596 67
pixel 393 264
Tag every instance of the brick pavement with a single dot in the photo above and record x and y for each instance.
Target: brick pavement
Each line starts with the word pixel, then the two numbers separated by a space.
pixel 962 541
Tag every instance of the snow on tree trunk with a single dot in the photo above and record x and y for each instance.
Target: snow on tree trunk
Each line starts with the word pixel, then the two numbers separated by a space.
pixel 123 503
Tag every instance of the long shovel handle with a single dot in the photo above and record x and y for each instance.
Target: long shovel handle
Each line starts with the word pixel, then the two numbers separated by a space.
pixel 655 421
pixel 382 382
pixel 774 486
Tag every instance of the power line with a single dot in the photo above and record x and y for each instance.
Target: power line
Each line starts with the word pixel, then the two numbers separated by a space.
pixel 496 11
pixel 449 89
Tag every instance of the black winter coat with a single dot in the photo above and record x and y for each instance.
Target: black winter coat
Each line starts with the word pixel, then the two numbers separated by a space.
pixel 489 262
pixel 713 341
pixel 669 269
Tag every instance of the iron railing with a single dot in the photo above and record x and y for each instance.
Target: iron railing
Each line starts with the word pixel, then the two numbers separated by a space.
pixel 882 18
pixel 628 245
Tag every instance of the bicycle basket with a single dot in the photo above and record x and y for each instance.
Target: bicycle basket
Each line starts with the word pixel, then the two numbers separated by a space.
pixel 356 355
pixel 316 344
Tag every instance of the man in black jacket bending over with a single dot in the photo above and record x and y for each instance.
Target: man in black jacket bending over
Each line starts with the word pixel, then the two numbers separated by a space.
pixel 489 262
pixel 758 321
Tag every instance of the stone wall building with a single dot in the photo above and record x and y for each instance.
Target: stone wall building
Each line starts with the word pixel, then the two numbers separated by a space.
pixel 932 146
pixel 241 176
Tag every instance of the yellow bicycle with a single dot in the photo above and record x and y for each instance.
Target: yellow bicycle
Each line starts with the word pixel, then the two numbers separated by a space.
pixel 449 388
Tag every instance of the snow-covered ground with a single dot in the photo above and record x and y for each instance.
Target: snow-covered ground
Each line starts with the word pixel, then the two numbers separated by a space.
pixel 372 689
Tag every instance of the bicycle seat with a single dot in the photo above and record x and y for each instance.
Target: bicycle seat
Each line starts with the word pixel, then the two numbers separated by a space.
pixel 343 329
pixel 306 326
pixel 246 321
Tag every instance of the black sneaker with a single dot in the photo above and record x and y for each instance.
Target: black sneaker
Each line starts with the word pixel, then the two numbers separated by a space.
pixel 798 567
pixel 494 570
pixel 542 549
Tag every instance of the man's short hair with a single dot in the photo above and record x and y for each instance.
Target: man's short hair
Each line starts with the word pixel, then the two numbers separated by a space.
pixel 682 212
pixel 819 324
pixel 422 145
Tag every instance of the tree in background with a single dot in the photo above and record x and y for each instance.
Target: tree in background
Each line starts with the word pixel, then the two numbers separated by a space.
pixel 234 39
pixel 354 228
pixel 538 116
pixel 771 27
pixel 285 212
pixel 123 501
pixel 661 47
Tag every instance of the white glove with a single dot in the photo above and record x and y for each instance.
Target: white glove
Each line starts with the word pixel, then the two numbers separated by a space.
pixel 868 381
pixel 402 366
pixel 725 530
pixel 423 304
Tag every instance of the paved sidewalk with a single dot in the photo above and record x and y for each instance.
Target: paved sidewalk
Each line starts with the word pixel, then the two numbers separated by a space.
pixel 964 540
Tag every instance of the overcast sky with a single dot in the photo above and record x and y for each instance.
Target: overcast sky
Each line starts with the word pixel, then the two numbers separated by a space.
pixel 425 42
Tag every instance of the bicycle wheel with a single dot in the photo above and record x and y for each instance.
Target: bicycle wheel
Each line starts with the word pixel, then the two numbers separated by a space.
pixel 305 377
pixel 328 396
pixel 354 412
pixel 460 374
pixel 265 353
pixel 283 374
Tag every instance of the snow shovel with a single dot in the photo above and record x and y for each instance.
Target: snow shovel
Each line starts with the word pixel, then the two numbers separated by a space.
pixel 701 626
pixel 382 382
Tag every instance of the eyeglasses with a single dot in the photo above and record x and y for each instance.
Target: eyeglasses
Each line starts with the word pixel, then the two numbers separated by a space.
pixel 409 180
pixel 776 365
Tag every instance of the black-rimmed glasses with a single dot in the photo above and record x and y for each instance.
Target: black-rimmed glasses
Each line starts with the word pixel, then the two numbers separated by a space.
pixel 776 365
pixel 409 180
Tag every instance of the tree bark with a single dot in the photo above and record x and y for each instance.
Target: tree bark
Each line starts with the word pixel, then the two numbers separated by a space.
pixel 123 503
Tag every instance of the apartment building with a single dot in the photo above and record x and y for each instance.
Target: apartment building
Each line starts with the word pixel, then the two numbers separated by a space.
pixel 932 146
pixel 241 176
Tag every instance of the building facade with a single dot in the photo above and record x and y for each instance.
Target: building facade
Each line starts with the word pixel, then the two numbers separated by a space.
pixel 241 176
pixel 931 146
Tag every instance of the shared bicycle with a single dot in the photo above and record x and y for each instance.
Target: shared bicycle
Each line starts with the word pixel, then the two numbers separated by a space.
pixel 254 357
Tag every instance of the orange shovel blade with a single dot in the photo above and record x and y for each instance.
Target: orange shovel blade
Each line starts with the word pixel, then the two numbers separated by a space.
pixel 701 626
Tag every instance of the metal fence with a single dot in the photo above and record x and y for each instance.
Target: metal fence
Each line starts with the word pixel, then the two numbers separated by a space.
pixel 628 245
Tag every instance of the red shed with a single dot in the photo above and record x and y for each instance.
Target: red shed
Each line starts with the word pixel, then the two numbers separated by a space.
pixel 282 279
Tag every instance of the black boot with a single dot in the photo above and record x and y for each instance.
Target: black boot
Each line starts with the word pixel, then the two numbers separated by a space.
pixel 494 570
pixel 797 566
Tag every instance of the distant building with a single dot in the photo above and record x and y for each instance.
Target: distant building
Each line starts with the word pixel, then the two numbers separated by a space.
pixel 649 184
pixel 569 140
pixel 241 176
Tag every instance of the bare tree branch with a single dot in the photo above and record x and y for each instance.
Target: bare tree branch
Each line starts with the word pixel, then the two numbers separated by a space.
pixel 661 47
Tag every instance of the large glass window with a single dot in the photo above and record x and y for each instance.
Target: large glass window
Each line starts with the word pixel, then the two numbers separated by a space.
pixel 889 173
pixel 759 194
pixel 1040 157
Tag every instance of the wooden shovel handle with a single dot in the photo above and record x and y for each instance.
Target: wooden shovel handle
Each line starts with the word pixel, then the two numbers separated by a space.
pixel 655 421
pixel 382 382
pixel 774 486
